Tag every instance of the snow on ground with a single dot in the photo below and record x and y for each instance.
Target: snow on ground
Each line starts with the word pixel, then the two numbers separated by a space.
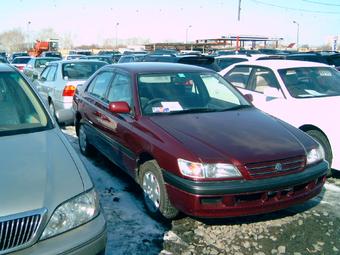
pixel 130 229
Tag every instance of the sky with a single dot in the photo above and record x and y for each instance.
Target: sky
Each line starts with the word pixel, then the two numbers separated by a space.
pixel 89 21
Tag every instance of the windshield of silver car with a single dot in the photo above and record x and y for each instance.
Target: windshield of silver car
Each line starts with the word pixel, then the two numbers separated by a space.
pixel 20 109
pixel 177 93
pixel 311 81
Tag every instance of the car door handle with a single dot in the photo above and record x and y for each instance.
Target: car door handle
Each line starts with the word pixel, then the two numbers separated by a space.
pixel 105 118
pixel 98 114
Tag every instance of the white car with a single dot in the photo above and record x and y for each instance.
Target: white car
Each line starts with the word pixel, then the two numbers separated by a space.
pixel 304 94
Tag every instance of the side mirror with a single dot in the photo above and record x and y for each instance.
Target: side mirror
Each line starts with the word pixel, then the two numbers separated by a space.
pixel 35 76
pixel 119 107
pixel 272 92
pixel 249 97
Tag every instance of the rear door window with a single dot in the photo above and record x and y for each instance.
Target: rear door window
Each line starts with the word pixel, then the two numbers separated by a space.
pixel 239 76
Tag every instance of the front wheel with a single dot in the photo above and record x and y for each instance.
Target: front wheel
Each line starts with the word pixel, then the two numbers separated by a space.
pixel 155 196
pixel 52 110
pixel 320 138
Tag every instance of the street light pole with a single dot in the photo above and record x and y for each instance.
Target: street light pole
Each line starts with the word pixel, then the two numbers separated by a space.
pixel 297 34
pixel 117 24
pixel 28 32
pixel 186 34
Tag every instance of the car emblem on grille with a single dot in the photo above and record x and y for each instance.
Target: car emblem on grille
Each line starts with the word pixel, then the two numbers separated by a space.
pixel 278 167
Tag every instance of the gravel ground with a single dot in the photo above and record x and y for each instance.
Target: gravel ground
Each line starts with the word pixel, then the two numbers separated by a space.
pixel 311 228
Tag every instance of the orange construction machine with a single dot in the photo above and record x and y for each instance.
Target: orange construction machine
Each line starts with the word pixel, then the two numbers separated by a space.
pixel 41 46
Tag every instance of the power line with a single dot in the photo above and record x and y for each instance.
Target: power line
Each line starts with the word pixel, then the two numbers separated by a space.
pixel 294 9
pixel 316 2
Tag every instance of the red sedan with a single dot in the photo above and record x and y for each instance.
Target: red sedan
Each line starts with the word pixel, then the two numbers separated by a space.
pixel 194 143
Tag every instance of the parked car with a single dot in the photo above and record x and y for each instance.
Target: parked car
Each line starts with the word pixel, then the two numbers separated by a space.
pixel 20 62
pixel 17 54
pixel 106 58
pixel 193 142
pixel 301 93
pixel 48 202
pixel 131 58
pixel 35 66
pixel 73 56
pixel 58 82
pixel 115 55
pixel 3 60
pixel 334 60
pixel 226 60
pixel 203 61
pixel 55 54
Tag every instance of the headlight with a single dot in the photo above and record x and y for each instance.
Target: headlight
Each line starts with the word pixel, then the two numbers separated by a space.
pixel 315 155
pixel 72 214
pixel 199 170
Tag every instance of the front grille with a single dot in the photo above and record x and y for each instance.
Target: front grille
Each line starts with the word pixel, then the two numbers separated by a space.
pixel 276 167
pixel 18 231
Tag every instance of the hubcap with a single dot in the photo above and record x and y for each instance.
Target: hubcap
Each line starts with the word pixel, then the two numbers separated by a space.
pixel 151 191
pixel 82 139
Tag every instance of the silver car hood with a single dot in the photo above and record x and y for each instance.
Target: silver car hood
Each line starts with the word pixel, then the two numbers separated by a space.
pixel 37 171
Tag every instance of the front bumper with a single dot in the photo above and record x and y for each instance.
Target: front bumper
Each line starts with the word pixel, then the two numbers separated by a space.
pixel 244 197
pixel 88 239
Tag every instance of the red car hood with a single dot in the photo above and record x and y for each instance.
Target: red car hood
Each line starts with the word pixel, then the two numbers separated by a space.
pixel 242 136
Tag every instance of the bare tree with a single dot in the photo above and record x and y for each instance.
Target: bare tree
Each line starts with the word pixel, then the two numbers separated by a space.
pixel 13 40
pixel 47 33
pixel 66 41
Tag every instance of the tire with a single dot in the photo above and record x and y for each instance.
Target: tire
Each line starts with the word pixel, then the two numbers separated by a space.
pixel 319 137
pixel 85 147
pixel 52 110
pixel 155 196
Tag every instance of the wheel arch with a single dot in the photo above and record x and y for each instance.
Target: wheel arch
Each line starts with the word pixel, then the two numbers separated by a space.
pixel 142 158
pixel 309 127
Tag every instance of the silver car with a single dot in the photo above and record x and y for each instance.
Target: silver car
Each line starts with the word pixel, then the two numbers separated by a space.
pixel 48 202
pixel 58 82
pixel 35 66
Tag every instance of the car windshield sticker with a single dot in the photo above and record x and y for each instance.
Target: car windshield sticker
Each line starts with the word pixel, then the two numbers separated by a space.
pixel 325 73
pixel 160 109
pixel 181 75
pixel 172 106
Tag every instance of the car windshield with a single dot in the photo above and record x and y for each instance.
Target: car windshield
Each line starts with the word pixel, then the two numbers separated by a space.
pixel 20 109
pixel 80 70
pixel 311 81
pixel 179 93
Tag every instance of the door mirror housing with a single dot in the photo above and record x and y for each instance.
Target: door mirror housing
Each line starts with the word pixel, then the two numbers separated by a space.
pixel 249 97
pixel 119 107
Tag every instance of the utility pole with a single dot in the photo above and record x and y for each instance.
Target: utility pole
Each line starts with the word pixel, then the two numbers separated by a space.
pixel 239 10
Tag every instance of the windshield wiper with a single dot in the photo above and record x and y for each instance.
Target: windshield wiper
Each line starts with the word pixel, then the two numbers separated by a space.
pixel 238 107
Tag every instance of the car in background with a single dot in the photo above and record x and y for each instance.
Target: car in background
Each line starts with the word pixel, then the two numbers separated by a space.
pixel 304 94
pixel 54 54
pixel 334 60
pixel 58 82
pixel 73 56
pixel 17 54
pixel 203 61
pixel 35 66
pixel 226 60
pixel 48 201
pixel 131 58
pixel 106 58
pixel 3 60
pixel 3 54
pixel 194 143
pixel 20 62
pixel 115 55
pixel 81 52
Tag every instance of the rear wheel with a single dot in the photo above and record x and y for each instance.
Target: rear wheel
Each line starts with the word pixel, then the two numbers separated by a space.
pixel 84 145
pixel 319 137
pixel 155 196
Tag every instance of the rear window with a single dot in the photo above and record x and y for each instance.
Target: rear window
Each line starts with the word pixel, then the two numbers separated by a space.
pixel 80 70
pixel 21 60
